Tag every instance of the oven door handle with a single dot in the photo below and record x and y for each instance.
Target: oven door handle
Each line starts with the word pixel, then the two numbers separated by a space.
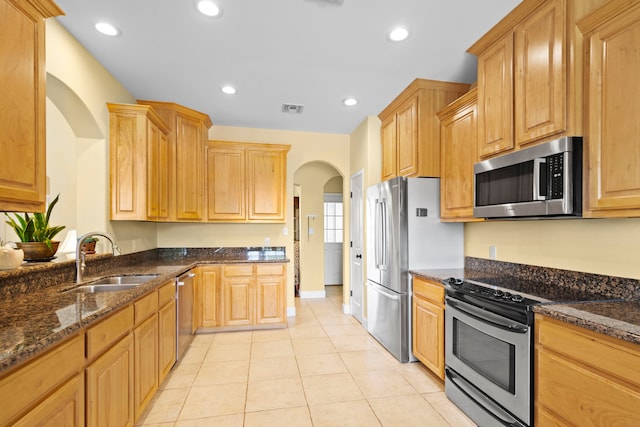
pixel 485 316
pixel 495 411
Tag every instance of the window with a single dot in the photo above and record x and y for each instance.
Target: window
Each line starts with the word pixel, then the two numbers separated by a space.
pixel 333 220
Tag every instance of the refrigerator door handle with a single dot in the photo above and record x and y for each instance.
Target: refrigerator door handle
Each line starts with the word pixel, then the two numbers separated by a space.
pixel 384 235
pixel 378 233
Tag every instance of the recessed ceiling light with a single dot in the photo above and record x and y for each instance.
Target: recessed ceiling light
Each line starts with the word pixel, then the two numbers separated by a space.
pixel 349 102
pixel 398 34
pixel 229 90
pixel 107 29
pixel 208 8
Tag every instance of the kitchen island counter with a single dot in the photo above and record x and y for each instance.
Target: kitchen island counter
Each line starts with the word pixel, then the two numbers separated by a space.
pixel 36 313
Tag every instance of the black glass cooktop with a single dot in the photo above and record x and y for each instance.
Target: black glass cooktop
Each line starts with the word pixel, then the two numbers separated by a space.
pixel 512 297
pixel 539 292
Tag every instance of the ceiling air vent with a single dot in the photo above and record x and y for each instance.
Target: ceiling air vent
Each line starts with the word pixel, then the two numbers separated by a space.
pixel 292 108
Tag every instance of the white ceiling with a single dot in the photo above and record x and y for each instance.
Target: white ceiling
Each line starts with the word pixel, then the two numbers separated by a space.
pixel 283 51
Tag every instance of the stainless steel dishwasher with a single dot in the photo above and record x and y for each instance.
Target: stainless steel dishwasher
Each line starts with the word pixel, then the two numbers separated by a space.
pixel 184 317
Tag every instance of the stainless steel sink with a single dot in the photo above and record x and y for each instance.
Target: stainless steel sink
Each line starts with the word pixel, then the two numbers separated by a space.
pixel 113 284
pixel 90 289
pixel 124 280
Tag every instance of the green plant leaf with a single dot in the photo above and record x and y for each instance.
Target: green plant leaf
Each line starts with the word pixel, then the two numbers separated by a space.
pixel 35 228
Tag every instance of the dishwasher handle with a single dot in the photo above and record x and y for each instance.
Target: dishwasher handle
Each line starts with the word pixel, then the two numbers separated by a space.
pixel 180 279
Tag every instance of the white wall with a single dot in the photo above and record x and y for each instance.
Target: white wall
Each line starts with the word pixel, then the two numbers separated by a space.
pixel 601 246
pixel 79 92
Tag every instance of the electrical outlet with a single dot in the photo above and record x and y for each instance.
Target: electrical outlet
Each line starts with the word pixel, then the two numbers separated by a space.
pixel 493 252
pixel 285 231
pixel 267 241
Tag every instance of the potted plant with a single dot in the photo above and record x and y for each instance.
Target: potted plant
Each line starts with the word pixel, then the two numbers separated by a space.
pixel 35 233
pixel 89 245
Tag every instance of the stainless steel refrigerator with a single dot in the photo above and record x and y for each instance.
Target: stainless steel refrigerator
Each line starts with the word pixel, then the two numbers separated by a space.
pixel 404 233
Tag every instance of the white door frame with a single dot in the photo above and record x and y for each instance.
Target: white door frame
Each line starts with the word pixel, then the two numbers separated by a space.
pixel 356 253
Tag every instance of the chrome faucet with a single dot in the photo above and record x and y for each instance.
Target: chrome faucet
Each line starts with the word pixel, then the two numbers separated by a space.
pixel 80 255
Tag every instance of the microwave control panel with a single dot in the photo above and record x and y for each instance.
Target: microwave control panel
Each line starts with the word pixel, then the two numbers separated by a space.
pixel 555 165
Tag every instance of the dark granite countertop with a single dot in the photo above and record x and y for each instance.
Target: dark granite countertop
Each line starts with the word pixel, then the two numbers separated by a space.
pixel 36 313
pixel 619 319
pixel 616 319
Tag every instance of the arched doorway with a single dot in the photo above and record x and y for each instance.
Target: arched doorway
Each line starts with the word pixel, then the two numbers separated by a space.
pixel 315 223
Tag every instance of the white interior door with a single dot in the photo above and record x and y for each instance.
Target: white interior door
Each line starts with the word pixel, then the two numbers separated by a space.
pixel 333 231
pixel 357 242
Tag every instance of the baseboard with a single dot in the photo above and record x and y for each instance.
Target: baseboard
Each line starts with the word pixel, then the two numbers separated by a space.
pixel 312 294
pixel 291 312
pixel 346 308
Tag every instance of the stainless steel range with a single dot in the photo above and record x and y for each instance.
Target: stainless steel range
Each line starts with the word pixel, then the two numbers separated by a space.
pixel 489 345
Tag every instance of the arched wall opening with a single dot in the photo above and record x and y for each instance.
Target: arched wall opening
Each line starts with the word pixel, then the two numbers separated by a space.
pixel 312 180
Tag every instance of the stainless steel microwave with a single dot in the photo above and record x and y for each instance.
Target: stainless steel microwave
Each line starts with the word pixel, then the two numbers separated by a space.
pixel 541 181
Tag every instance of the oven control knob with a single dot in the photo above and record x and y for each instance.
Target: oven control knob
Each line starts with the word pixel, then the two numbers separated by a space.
pixel 517 298
pixel 497 293
pixel 454 281
pixel 506 295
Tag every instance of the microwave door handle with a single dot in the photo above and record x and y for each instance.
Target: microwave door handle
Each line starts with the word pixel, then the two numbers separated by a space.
pixel 537 165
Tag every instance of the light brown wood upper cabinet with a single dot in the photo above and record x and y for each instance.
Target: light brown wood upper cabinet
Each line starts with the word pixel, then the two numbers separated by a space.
pixel 188 131
pixel 459 151
pixel 266 182
pixel 22 104
pixel 138 152
pixel 495 89
pixel 612 108
pixel 410 130
pixel 225 180
pixel 530 75
pixel 245 182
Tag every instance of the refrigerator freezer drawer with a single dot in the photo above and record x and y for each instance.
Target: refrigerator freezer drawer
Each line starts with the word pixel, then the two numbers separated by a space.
pixel 388 320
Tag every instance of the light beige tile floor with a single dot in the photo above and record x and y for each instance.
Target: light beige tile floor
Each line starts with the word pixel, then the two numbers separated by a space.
pixel 323 370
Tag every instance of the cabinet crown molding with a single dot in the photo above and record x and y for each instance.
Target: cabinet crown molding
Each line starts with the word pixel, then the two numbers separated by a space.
pixel 505 25
pixel 147 110
pixel 465 100
pixel 46 8
pixel 180 109
pixel 604 13
pixel 416 85
pixel 248 145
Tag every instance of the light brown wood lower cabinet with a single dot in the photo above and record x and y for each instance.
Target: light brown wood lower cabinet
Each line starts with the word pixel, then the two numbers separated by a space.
pixel 166 330
pixel 145 338
pixel 240 296
pixel 46 388
pixel 65 407
pixel 110 386
pixel 104 376
pixel 428 324
pixel 583 378
pixel 208 298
